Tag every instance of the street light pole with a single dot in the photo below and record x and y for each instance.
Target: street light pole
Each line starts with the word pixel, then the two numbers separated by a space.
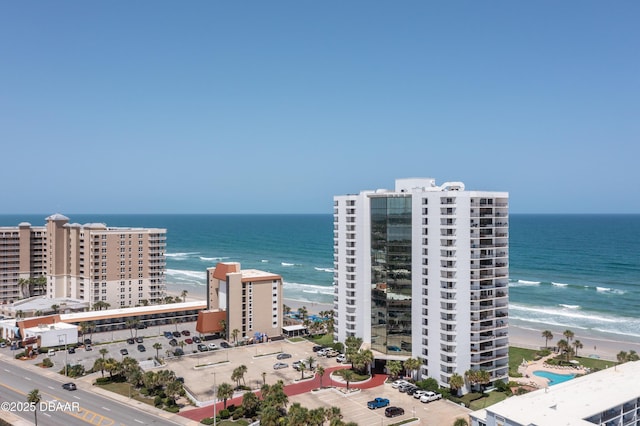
pixel 215 399
pixel 66 352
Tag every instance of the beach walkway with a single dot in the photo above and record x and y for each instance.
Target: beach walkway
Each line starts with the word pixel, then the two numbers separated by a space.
pixel 303 386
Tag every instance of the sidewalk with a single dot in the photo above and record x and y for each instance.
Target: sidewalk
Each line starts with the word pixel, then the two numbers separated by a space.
pixel 303 386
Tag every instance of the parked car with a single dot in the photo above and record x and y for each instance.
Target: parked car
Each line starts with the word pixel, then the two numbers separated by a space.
pixel 173 342
pixel 417 394
pixel 141 348
pixel 393 411
pixel 225 345
pixel 124 352
pixel 330 353
pixel 176 334
pixel 212 346
pixel 139 339
pixel 317 348
pixel 283 356
pixel 412 390
pixel 168 334
pixel 178 352
pixel 188 341
pixel 186 333
pixel 88 348
pixel 279 365
pixel 377 403
pixel 69 386
pixel 72 350
pixel 131 340
pixel 141 326
pixel 202 348
pixel 399 383
pixel 430 396
pixel 341 358
pixel 3 345
pixel 196 339
pixel 87 341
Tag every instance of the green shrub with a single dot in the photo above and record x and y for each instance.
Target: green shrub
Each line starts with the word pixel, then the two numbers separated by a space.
pixel 224 414
pixel 20 355
pixel 103 380
pixel 47 363
pixel 238 413
pixel 172 409
pixel 207 421
pixel 157 401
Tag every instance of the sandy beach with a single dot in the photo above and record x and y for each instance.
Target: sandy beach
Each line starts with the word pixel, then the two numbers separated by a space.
pixel 604 347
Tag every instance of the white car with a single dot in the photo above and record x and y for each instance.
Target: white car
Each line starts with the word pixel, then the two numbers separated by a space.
pixel 418 394
pixel 212 346
pixel 399 383
pixel 341 358
pixel 430 396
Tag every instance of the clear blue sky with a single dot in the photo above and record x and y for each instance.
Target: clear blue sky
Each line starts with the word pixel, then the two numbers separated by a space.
pixel 276 106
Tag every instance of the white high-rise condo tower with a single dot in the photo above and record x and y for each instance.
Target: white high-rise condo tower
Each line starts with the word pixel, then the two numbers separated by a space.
pixel 423 271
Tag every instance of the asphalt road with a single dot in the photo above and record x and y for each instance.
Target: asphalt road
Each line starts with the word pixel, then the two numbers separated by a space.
pixel 61 407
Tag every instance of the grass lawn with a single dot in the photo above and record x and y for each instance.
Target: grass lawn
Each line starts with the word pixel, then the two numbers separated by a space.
pixel 492 398
pixel 516 355
pixel 123 389
pixel 241 422
pixel 322 340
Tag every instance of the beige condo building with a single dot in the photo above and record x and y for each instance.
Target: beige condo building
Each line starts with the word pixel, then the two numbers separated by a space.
pixel 248 300
pixel 91 262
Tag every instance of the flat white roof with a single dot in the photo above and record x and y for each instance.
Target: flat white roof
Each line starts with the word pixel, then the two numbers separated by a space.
pixel 137 310
pixel 294 327
pixel 570 402
pixel 58 326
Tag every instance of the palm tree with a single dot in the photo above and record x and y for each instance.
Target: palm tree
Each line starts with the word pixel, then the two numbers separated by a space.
pixel 471 376
pixel 456 382
pixel 99 364
pixel 484 377
pixel 302 367
pixel 103 352
pixel 565 347
pixel 264 378
pixel 320 372
pixel 303 312
pixel 223 325
pixel 234 334
pixel 250 403
pixel 577 344
pixel 394 368
pixel 55 308
pixel 225 391
pixel 347 375
pixel 131 324
pixel 310 360
pixel 34 398
pixel 332 414
pixel 316 416
pixel 412 364
pixel 548 335
pixel 460 422
pixel 367 358
pixel 298 415
pixel 286 309
pixel 568 334
pixel 157 346
pixel 184 295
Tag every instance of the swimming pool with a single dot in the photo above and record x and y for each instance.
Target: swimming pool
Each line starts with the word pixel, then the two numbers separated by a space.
pixel 554 378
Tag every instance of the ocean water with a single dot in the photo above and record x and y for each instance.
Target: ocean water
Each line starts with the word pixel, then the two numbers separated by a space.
pixel 580 272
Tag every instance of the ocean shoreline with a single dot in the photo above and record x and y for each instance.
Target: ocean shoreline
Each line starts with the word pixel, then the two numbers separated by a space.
pixel 601 345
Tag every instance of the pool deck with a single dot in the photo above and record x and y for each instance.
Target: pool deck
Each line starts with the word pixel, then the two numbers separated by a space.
pixel 528 378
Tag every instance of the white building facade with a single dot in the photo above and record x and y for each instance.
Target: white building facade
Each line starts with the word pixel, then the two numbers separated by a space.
pixel 422 271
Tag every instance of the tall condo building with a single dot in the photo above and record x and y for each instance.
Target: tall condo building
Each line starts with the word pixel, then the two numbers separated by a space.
pixel 423 271
pixel 90 262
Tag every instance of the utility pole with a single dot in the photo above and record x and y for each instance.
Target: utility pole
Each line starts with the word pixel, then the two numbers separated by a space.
pixel 215 399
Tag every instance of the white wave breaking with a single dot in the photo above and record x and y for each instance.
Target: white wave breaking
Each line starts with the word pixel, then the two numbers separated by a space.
pixel 559 284
pixel 324 269
pixel 212 259
pixel 179 256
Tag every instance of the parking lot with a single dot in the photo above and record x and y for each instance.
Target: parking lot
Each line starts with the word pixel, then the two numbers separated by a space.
pixel 201 369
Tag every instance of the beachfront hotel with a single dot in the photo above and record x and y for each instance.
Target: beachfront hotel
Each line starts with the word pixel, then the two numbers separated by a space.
pixel 609 397
pixel 422 271
pixel 246 300
pixel 91 262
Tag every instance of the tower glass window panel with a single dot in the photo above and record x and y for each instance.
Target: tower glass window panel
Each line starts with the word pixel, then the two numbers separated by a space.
pixel 391 274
